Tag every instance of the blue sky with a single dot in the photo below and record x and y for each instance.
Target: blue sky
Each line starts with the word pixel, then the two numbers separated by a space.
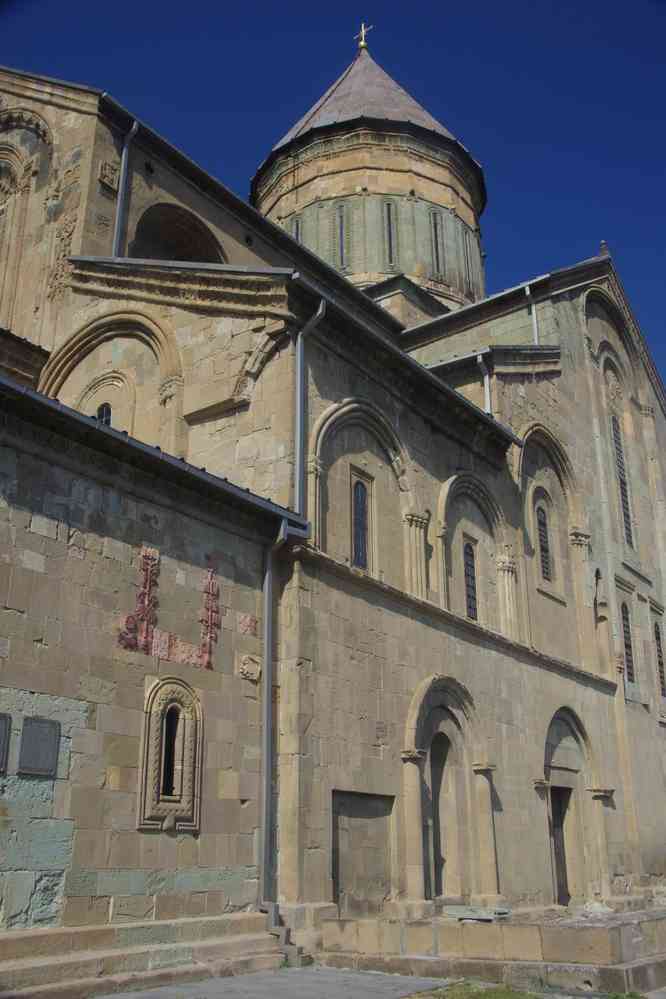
pixel 562 103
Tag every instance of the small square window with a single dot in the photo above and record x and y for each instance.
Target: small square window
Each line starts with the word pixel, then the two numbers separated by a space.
pixel 40 742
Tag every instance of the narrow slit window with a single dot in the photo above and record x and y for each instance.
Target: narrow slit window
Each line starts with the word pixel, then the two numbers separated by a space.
pixel 297 229
pixel 342 256
pixel 466 252
pixel 623 484
pixel 660 659
pixel 360 526
pixel 104 414
pixel 544 543
pixel 171 721
pixel 469 560
pixel 628 647
pixel 389 215
pixel 436 232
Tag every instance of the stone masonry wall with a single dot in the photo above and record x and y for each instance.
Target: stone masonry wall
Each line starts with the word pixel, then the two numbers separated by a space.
pixel 74 527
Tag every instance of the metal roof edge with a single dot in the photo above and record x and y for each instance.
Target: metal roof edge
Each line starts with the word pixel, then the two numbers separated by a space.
pixel 107 439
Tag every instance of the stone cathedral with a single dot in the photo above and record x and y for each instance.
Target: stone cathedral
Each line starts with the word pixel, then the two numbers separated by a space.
pixel 331 588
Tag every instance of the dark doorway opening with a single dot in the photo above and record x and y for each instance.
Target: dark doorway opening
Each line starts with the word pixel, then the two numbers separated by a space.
pixel 560 798
pixel 439 750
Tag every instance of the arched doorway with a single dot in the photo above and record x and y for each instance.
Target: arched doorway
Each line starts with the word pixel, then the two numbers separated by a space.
pixel 445 812
pixel 565 765
pixel 449 837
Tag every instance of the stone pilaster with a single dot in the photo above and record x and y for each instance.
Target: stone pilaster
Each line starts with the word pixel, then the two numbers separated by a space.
pixel 414 761
pixel 416 525
pixel 579 541
pixel 488 886
pixel 507 576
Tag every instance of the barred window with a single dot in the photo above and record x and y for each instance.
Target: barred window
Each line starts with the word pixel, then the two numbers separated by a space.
pixel 622 479
pixel 437 245
pixel 628 648
pixel 544 543
pixel 660 659
pixel 360 525
pixel 470 581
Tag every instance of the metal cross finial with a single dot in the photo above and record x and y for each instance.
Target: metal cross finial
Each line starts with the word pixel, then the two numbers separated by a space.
pixel 362 44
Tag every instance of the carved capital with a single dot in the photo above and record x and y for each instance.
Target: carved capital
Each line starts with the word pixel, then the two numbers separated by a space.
pixel 601 793
pixel 506 563
pixel 416 520
pixel 169 388
pixel 579 538
pixel 486 769
pixel 413 756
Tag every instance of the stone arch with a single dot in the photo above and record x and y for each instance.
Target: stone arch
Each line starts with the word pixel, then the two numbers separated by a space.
pixel 441 731
pixel 118 381
pixel 170 232
pixel 24 118
pixel 360 412
pixel 138 326
pixel 494 559
pixel 600 297
pixel 575 823
pixel 178 810
pixel 15 184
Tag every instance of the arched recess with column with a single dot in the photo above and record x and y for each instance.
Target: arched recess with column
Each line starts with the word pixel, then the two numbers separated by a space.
pixel 448 821
pixel 351 443
pixel 137 362
pixel 555 545
pixel 25 161
pixel 478 570
pixel 574 811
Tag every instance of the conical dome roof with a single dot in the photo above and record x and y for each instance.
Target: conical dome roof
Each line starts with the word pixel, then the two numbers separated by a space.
pixel 364 91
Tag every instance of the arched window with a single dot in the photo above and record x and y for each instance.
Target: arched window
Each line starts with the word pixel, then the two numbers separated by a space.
pixel 544 543
pixel 296 228
pixel 341 236
pixel 628 647
pixel 437 244
pixel 469 560
pixel 172 760
pixel 621 470
pixel 360 525
pixel 660 659
pixel 169 749
pixel 390 234
pixel 104 414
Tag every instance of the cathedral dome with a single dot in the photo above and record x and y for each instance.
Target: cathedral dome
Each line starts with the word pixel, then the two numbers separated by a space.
pixel 370 181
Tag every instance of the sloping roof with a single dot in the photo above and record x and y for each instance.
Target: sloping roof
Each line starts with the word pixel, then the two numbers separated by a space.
pixel 364 91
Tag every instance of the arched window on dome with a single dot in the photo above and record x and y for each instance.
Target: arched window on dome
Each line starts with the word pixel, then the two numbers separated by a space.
pixel 437 243
pixel 390 234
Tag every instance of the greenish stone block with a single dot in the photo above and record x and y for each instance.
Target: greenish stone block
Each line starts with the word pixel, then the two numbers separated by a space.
pixel 38 845
pixel 81 882
pixel 129 882
pixel 27 797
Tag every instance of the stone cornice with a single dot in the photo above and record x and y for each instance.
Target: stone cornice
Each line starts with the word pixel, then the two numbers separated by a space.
pixel 473 632
pixel 203 289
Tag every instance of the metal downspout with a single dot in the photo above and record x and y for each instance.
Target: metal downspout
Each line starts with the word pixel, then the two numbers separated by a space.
pixel 301 393
pixel 483 368
pixel 535 323
pixel 121 203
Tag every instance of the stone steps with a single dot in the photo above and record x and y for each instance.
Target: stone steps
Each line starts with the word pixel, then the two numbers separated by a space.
pixel 74 964
pixel 643 975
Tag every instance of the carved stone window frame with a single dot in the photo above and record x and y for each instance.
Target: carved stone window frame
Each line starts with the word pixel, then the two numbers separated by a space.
pixel 181 811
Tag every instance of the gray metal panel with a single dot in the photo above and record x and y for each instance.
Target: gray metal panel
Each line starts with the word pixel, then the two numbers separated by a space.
pixel 40 742
pixel 5 730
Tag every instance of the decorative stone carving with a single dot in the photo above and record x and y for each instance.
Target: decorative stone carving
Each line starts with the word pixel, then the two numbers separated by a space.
pixel 170 784
pixel 108 175
pixel 58 279
pixel 209 619
pixel 579 538
pixel 137 632
pixel 249 667
pixel 8 182
pixel 12 118
pixel 247 624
